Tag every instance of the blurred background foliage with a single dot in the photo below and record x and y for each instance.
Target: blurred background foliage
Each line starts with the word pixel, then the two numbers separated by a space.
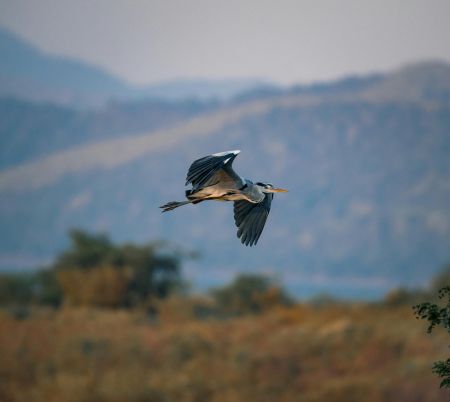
pixel 93 271
pixel 116 322
pixel 249 294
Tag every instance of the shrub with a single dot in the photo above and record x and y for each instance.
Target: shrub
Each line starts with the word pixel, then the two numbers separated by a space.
pixel 249 294
pixel 438 316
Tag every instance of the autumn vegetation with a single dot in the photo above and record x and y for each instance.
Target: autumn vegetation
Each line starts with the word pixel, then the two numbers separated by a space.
pixel 109 322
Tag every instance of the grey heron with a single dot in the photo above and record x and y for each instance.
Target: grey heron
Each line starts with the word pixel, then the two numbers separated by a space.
pixel 213 178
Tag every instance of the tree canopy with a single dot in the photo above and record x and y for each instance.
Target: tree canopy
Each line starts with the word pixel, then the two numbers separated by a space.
pixel 94 271
pixel 249 293
pixel 438 315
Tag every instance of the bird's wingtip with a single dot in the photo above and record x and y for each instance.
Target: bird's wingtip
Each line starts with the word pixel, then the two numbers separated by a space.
pixel 235 152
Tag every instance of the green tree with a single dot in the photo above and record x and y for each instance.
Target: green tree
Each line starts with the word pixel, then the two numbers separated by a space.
pixel 249 294
pixel 46 289
pixel 95 271
pixel 138 273
pixel 86 251
pixel 438 316
pixel 40 287
pixel 16 288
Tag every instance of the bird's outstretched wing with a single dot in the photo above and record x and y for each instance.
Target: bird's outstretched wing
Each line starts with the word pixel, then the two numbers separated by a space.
pixel 203 171
pixel 250 219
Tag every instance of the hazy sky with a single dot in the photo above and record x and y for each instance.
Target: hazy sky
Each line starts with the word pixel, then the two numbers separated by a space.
pixel 286 41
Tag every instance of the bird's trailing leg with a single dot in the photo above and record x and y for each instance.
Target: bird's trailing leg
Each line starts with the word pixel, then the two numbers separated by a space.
pixel 175 204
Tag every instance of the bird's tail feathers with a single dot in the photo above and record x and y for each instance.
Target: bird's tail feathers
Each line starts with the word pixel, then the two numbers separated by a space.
pixel 174 204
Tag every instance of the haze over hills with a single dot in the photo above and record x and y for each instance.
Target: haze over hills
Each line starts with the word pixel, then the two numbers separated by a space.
pixel 365 160
pixel 30 74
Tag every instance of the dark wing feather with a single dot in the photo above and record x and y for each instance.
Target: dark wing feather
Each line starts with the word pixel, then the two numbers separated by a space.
pixel 250 219
pixel 203 170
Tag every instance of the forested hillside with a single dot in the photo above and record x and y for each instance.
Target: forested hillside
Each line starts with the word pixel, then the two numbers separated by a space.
pixel 365 161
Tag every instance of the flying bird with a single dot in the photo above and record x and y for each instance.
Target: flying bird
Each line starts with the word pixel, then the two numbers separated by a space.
pixel 213 178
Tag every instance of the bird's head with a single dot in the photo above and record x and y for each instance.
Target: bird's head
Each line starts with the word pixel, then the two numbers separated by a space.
pixel 269 188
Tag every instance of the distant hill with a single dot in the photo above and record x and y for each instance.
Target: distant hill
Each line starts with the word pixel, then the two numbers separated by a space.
pixel 366 163
pixel 428 81
pixel 30 74
pixel 205 89
pixel 29 130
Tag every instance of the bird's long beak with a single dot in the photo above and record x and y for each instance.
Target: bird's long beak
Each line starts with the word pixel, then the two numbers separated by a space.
pixel 277 190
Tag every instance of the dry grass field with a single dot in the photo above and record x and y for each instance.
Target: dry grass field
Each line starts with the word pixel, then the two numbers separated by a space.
pixel 348 352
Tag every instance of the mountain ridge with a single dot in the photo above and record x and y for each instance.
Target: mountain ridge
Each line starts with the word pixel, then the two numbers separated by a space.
pixel 226 113
pixel 31 74
pixel 367 172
